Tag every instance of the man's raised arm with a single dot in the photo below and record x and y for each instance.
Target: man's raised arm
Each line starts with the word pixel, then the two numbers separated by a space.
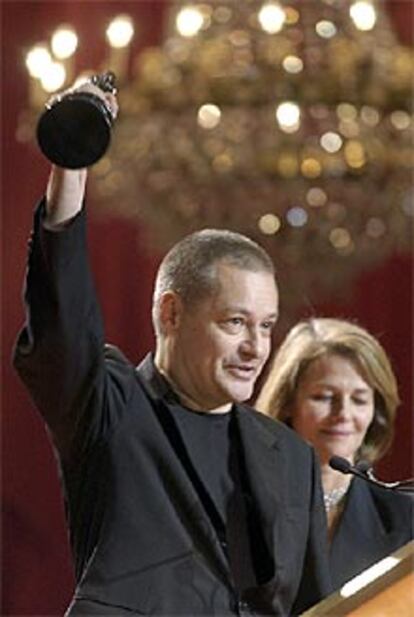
pixel 59 351
pixel 66 187
pixel 64 196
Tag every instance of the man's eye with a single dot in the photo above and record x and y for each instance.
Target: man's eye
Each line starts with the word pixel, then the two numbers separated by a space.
pixel 268 325
pixel 235 321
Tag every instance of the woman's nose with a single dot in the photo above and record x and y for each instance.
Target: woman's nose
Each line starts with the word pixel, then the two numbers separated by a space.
pixel 341 407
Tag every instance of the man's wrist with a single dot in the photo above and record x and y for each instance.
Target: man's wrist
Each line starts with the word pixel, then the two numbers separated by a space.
pixel 53 223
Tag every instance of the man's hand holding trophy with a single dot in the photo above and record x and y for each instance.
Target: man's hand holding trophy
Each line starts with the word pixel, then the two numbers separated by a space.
pixel 74 131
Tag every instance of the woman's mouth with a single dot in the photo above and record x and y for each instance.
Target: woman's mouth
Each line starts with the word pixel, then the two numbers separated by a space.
pixel 336 432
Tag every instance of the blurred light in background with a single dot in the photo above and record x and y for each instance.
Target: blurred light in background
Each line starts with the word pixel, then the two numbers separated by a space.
pixel 288 121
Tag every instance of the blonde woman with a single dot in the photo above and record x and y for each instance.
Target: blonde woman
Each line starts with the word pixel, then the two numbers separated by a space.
pixel 333 383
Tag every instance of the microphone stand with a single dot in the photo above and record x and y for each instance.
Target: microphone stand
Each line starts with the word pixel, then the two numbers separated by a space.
pixel 364 471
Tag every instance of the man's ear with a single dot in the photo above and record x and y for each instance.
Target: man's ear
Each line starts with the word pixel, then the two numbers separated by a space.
pixel 170 311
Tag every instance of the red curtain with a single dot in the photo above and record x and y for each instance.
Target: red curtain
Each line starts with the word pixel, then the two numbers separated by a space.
pixel 37 578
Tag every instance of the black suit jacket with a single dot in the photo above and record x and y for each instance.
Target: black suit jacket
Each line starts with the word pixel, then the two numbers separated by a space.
pixel 375 522
pixel 141 538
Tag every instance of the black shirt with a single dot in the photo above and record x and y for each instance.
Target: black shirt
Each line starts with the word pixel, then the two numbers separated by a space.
pixel 207 440
pixel 213 446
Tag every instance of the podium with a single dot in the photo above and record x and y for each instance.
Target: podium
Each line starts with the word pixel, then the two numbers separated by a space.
pixel 385 589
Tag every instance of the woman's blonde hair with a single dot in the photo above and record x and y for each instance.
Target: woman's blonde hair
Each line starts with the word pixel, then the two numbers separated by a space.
pixel 314 338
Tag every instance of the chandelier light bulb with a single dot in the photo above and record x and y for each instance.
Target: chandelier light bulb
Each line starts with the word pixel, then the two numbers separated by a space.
pixel 363 15
pixel 331 142
pixel 311 168
pixel 355 154
pixel 292 15
pixel 346 111
pixel 120 31
pixel 292 64
pixel 375 228
pixel 340 238
pixel 297 217
pixel 54 77
pixel 269 224
pixel 37 60
pixel 272 17
pixel 316 197
pixel 64 42
pixel 400 119
pixel 370 115
pixel 349 128
pixel 288 116
pixel 325 29
pixel 189 21
pixel 222 14
pixel 209 116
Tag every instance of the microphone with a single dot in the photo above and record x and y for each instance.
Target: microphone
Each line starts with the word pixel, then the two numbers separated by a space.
pixel 364 471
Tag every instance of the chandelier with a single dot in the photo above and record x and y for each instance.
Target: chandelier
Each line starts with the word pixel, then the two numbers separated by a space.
pixel 287 121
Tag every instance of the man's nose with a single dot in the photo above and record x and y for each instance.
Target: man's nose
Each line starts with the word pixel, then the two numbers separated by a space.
pixel 252 345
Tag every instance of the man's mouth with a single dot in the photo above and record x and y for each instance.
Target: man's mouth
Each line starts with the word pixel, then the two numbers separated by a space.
pixel 244 372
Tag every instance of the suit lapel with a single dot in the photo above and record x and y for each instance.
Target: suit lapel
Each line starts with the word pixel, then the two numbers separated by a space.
pixel 265 470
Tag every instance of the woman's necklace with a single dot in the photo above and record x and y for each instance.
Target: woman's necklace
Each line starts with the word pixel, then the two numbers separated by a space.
pixel 332 498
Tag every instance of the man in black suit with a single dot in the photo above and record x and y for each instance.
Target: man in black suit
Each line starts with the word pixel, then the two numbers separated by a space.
pixel 180 500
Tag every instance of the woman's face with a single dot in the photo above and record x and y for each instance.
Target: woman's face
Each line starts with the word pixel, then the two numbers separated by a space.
pixel 333 407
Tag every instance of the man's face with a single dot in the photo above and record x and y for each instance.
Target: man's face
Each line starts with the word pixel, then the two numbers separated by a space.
pixel 221 343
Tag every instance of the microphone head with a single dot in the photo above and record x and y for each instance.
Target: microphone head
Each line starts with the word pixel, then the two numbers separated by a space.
pixel 340 464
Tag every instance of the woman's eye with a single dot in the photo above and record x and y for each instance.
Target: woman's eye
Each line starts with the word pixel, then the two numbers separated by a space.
pixel 360 401
pixel 322 397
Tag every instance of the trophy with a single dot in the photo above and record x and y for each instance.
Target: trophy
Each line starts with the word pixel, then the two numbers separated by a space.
pixel 74 131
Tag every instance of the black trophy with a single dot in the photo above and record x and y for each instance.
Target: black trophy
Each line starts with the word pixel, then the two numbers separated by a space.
pixel 75 129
